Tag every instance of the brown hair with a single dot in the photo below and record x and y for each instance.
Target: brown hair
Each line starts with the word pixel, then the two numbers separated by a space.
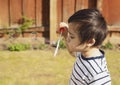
pixel 91 25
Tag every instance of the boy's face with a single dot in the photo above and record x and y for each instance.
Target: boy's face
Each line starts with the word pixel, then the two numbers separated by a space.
pixel 73 40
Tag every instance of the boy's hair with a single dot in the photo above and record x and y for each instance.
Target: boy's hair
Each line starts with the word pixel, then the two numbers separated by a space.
pixel 91 25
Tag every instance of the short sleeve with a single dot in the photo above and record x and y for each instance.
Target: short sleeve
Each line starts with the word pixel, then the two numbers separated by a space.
pixel 102 78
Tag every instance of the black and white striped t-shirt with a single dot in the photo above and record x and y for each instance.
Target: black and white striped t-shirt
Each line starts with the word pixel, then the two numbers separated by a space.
pixel 90 71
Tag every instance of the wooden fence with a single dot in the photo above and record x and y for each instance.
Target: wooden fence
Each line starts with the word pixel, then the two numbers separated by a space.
pixel 12 11
pixel 47 14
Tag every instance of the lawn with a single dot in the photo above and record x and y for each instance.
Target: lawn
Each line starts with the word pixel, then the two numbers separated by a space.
pixel 39 67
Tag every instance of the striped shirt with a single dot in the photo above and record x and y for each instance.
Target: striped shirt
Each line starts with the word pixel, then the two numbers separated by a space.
pixel 90 71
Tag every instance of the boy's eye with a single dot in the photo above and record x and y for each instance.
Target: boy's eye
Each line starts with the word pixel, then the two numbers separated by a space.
pixel 72 37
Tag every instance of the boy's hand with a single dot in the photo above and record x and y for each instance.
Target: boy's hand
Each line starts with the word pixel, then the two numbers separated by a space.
pixel 63 28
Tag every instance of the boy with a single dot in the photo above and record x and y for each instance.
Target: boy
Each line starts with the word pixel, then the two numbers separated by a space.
pixel 86 31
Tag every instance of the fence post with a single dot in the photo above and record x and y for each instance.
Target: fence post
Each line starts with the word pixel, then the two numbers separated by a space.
pixel 53 20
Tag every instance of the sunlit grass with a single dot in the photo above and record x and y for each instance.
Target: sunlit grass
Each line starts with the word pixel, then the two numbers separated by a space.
pixel 39 67
pixel 35 68
pixel 114 65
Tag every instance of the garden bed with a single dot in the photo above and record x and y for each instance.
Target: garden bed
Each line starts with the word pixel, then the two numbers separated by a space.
pixel 33 42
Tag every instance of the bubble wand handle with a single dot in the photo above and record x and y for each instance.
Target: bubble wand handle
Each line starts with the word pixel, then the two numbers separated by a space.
pixel 56 50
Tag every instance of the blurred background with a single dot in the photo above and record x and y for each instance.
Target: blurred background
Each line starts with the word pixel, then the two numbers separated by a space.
pixel 47 14
pixel 27 30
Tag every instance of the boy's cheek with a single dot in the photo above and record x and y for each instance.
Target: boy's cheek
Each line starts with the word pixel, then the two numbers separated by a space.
pixel 71 46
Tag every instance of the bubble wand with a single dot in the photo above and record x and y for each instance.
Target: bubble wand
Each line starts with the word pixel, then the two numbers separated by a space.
pixel 62 29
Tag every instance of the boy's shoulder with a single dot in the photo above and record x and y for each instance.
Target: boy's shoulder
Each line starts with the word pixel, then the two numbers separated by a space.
pixel 94 65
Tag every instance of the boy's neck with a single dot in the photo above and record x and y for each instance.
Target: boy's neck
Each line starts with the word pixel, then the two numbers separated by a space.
pixel 92 52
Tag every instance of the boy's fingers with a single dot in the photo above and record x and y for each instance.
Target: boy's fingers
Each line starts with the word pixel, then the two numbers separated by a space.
pixel 63 24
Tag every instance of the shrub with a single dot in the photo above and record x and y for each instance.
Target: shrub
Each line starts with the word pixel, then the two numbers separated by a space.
pixel 25 23
pixel 18 47
pixel 61 44
pixel 108 45
pixel 42 46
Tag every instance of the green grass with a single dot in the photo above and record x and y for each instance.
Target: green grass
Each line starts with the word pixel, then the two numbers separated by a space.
pixel 35 68
pixel 113 61
pixel 41 68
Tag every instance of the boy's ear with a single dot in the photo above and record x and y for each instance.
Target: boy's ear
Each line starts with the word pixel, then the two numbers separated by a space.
pixel 91 42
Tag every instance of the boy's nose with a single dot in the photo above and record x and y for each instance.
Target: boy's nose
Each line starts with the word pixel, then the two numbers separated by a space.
pixel 68 39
